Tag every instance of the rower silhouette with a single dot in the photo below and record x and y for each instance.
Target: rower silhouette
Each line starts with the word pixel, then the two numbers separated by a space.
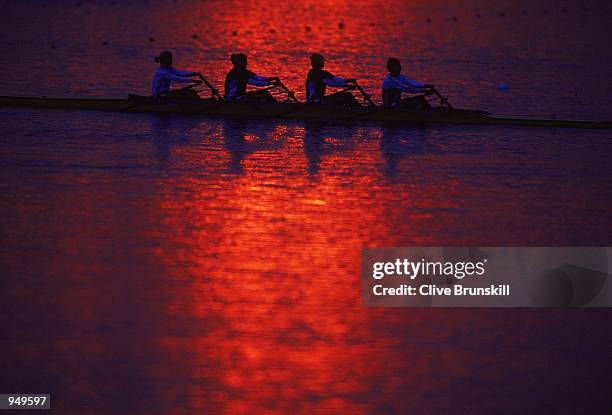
pixel 166 74
pixel 318 79
pixel 395 84
pixel 239 77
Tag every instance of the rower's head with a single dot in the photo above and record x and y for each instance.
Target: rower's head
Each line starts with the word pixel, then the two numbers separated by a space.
pixel 239 60
pixel 317 61
pixel 394 67
pixel 164 59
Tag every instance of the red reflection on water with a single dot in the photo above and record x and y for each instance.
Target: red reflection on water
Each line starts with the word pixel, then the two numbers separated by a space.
pixel 276 275
pixel 221 273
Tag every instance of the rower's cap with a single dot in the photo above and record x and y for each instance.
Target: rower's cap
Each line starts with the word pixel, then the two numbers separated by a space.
pixel 316 58
pixel 164 57
pixel 394 66
pixel 238 59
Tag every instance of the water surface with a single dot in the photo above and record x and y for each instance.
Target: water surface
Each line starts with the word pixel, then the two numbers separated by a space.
pixel 171 265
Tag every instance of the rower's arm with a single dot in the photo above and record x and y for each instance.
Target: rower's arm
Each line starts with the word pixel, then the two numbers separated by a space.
pixel 403 83
pixel 260 80
pixel 336 82
pixel 177 78
pixel 182 73
pixel 410 85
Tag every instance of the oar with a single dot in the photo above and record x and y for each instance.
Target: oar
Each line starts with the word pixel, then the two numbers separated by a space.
pixel 366 96
pixel 278 84
pixel 214 91
pixel 289 92
pixel 443 99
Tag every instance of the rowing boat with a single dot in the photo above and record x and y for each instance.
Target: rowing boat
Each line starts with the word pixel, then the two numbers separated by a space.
pixel 298 111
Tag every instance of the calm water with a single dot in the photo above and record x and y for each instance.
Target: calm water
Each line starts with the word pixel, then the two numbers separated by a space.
pixel 178 265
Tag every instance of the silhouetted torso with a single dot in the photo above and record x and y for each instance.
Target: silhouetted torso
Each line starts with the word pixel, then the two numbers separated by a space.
pixel 315 85
pixel 237 79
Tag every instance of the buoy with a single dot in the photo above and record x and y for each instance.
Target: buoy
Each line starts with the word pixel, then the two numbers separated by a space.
pixel 341 25
pixel 308 28
pixel 151 39
pixel 428 20
pixel 454 18
pixel 234 33
pixel 194 36
pixel 272 31
pixel 105 43
pixel 502 86
pixel 53 46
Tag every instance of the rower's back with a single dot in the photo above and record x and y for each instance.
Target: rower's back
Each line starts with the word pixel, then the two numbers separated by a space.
pixel 315 79
pixel 166 74
pixel 236 82
pixel 237 78
pixel 395 84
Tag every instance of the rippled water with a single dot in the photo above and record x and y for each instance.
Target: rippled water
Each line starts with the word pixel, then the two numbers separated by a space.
pixel 188 265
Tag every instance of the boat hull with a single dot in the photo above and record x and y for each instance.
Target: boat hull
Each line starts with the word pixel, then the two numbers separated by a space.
pixel 294 111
